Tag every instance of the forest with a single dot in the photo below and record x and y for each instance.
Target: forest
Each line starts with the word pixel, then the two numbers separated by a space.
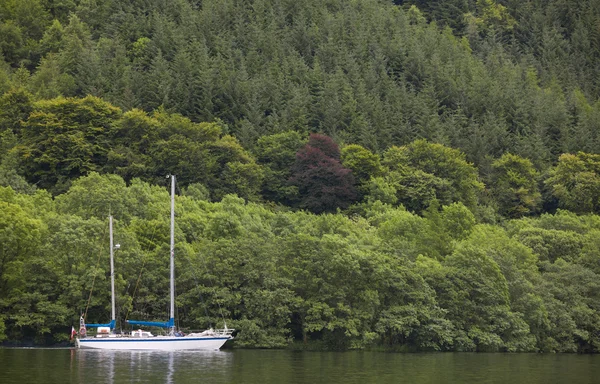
pixel 399 175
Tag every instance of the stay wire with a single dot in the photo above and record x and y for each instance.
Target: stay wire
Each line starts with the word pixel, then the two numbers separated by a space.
pixel 102 241
pixel 193 269
pixel 137 283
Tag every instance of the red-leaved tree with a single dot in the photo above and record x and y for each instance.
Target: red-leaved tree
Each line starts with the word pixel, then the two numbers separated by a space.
pixel 323 183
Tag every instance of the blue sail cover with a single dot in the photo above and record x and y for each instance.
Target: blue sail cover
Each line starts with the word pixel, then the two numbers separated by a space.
pixel 111 325
pixel 167 324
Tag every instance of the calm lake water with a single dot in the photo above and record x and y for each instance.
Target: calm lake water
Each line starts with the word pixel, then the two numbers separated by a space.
pixel 25 366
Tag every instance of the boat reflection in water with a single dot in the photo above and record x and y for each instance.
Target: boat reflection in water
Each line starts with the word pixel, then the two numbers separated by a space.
pixel 107 366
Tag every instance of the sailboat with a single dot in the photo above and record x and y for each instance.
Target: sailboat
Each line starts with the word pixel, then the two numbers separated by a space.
pixel 139 339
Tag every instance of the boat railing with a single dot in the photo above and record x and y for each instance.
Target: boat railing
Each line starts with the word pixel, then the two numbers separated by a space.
pixel 224 331
pixel 212 333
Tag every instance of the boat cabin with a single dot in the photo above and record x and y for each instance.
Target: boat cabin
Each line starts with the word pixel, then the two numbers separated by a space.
pixel 103 332
pixel 140 333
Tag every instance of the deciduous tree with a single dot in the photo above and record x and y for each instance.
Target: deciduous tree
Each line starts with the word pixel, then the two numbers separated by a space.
pixel 514 185
pixel 323 183
pixel 575 181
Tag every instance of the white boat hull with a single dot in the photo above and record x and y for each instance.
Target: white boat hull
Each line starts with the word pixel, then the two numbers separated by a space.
pixel 160 343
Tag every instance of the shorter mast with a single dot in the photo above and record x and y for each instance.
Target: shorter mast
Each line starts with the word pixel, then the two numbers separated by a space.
pixel 113 321
pixel 112 273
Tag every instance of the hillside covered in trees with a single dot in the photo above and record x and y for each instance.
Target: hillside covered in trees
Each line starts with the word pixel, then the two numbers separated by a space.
pixel 413 175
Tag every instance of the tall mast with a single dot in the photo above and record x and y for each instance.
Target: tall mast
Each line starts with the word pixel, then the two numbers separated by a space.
pixel 172 317
pixel 112 271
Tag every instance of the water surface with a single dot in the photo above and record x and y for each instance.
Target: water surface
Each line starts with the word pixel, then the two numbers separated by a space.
pixel 266 366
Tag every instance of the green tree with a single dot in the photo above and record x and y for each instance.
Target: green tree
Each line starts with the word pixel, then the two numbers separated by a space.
pixel 78 59
pixel 424 172
pixel 133 136
pixel 570 293
pixel 52 41
pixel 11 42
pixel 492 16
pixel 518 265
pixel 552 244
pixel 575 182
pixel 95 195
pixel 22 26
pixel 15 107
pixel 49 81
pixel 514 183
pixel 277 153
pixel 20 236
pixel 410 316
pixel 479 303
pixel 363 163
pixel 66 138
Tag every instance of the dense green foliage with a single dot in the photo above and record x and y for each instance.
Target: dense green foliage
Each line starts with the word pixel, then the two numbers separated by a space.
pixel 391 277
pixel 518 76
pixel 419 175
